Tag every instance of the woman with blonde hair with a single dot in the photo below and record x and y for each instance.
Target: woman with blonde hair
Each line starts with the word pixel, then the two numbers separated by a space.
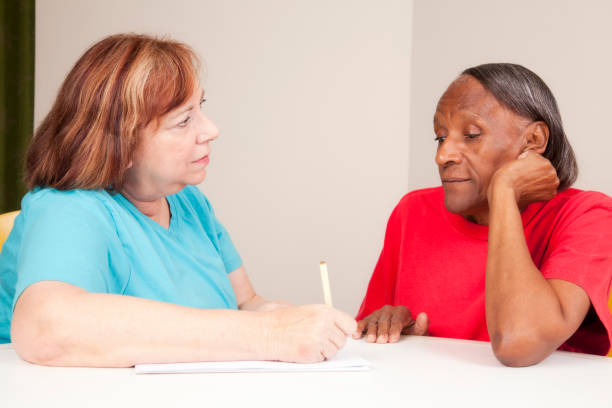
pixel 116 258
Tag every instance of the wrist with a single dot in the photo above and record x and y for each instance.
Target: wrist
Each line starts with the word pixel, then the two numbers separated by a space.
pixel 501 189
pixel 269 324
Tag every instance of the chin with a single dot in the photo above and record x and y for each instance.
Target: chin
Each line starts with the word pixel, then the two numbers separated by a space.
pixel 457 205
pixel 195 178
pixel 454 207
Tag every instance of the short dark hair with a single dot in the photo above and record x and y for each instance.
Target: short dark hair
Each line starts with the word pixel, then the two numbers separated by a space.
pixel 526 94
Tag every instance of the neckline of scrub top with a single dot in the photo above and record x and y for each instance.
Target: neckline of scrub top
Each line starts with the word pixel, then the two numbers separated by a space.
pixel 174 221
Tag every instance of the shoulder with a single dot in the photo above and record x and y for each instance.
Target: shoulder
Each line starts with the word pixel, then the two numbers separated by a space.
pixel 48 200
pixel 69 210
pixel 418 205
pixel 61 227
pixel 576 212
pixel 421 199
pixel 583 198
pixel 575 202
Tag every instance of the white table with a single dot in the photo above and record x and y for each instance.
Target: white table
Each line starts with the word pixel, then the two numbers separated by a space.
pixel 416 372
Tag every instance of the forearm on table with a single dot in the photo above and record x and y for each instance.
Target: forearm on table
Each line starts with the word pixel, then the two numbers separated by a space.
pixel 78 328
pixel 524 314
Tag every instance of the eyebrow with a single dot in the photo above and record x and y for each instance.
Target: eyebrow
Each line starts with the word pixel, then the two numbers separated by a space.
pixel 190 108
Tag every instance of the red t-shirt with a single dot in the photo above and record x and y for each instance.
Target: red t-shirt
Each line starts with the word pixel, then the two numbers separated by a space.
pixel 434 261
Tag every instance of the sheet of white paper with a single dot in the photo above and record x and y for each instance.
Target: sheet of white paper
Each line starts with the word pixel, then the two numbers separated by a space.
pixel 343 361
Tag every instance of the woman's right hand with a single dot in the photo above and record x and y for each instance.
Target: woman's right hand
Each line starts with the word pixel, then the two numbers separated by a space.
pixel 387 323
pixel 308 334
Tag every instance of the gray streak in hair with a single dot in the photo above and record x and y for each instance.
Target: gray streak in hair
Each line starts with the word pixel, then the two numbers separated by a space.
pixel 526 94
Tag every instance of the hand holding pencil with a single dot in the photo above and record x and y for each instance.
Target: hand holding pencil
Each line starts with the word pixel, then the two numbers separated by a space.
pixel 307 334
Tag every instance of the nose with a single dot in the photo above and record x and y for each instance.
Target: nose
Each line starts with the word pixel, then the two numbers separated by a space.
pixel 449 151
pixel 207 130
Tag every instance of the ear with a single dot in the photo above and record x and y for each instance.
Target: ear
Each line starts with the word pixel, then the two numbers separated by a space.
pixel 536 137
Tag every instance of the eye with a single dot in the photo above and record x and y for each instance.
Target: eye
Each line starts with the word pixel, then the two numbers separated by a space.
pixel 471 136
pixel 202 103
pixel 185 122
pixel 440 139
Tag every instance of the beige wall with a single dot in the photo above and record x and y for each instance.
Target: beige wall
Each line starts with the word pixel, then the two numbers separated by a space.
pixel 312 101
pixel 566 42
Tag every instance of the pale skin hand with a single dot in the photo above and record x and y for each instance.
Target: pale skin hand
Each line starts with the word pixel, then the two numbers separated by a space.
pixel 55 323
pixel 386 324
pixel 528 316
pixel 311 333
pixel 305 334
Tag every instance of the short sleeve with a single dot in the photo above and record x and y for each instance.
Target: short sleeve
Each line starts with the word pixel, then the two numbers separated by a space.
pixel 65 238
pixel 580 251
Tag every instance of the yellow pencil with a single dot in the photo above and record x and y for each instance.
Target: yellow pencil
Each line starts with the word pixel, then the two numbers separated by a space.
pixel 325 283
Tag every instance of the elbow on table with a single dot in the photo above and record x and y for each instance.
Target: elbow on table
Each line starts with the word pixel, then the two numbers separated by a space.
pixel 519 350
pixel 36 337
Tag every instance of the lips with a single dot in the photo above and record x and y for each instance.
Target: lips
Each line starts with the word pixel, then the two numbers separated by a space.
pixel 454 180
pixel 202 160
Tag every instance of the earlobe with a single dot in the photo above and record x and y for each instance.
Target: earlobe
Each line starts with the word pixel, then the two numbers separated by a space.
pixel 536 137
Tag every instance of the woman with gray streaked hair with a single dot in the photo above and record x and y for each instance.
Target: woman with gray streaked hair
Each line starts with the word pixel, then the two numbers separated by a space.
pixel 505 251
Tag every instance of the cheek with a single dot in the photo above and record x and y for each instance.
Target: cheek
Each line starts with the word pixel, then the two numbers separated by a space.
pixel 489 157
pixel 175 154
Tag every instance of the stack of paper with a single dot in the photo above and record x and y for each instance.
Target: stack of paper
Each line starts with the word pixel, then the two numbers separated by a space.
pixel 343 361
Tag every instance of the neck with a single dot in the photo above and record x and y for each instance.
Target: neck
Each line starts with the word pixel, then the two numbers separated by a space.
pixel 483 217
pixel 155 208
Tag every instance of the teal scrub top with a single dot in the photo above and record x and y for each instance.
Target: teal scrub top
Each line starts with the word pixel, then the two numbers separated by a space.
pixel 102 243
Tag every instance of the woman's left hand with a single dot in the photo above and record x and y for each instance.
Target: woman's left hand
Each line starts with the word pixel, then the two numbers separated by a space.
pixel 531 178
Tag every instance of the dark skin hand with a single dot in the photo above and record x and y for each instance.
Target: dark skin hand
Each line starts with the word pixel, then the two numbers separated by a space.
pixel 531 178
pixel 386 324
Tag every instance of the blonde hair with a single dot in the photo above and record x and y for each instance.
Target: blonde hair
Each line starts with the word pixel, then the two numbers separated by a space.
pixel 119 86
